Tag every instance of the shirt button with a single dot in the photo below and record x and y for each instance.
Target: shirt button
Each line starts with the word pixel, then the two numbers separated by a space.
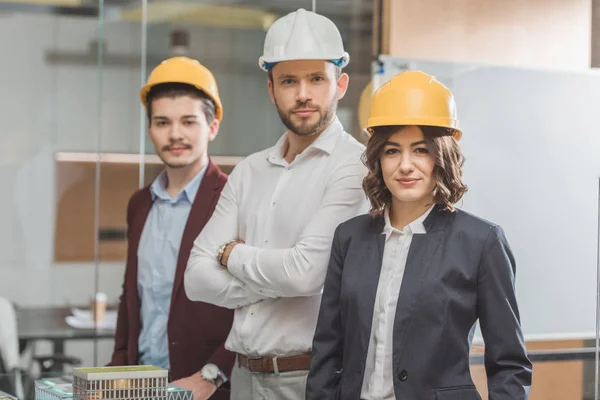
pixel 266 241
pixel 403 375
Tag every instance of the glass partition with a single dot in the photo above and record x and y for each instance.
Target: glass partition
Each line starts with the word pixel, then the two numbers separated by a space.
pixel 53 126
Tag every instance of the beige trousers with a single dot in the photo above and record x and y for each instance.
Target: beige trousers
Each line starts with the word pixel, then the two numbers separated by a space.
pixel 246 385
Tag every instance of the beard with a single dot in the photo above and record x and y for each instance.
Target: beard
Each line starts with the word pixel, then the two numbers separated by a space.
pixel 304 127
pixel 177 164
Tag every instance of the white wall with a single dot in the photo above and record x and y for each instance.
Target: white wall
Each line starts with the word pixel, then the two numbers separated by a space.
pixel 531 146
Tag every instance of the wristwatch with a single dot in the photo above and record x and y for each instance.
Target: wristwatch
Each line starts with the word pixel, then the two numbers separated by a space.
pixel 212 373
pixel 222 252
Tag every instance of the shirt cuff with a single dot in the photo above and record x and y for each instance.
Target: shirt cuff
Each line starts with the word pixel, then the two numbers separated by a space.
pixel 235 262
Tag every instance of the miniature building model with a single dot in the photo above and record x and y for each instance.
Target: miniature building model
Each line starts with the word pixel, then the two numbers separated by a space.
pixel 111 383
pixel 6 396
pixel 117 383
pixel 177 393
pixel 62 389
pixel 53 389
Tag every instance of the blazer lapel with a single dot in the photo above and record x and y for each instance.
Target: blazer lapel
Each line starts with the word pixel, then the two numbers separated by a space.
pixel 208 193
pixel 420 256
pixel 141 211
pixel 369 270
pixel 136 227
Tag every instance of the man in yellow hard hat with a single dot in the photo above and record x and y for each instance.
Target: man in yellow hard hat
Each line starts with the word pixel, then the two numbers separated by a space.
pixel 265 251
pixel 157 323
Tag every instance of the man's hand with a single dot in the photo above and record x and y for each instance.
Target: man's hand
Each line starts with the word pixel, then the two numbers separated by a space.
pixel 227 252
pixel 202 388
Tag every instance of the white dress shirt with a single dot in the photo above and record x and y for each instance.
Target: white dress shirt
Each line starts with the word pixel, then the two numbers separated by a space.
pixel 286 214
pixel 378 382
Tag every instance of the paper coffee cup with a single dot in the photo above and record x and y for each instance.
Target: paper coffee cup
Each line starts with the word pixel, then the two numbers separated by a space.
pixel 98 306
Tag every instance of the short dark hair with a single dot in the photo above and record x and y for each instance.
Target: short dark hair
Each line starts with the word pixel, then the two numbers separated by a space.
pixel 447 173
pixel 338 72
pixel 176 89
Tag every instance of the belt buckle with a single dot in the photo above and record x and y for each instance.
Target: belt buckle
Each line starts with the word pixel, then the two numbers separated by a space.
pixel 275 366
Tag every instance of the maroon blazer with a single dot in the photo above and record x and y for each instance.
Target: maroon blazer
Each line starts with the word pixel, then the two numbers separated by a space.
pixel 196 330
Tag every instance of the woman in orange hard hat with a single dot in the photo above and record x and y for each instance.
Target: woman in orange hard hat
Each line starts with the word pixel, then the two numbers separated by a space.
pixel 407 283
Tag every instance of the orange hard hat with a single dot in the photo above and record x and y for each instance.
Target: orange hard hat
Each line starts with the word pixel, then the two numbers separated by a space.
pixel 188 71
pixel 414 98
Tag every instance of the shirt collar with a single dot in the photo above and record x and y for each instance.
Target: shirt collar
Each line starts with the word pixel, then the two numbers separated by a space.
pixel 416 227
pixel 325 142
pixel 159 187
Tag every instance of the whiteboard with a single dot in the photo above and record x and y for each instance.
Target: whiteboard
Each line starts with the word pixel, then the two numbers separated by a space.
pixel 531 140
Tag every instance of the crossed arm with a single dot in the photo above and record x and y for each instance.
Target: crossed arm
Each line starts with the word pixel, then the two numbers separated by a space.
pixel 254 274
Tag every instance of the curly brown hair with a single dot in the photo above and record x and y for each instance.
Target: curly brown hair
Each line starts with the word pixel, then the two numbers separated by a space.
pixel 447 173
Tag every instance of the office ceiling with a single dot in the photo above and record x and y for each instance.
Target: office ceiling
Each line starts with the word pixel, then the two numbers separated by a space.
pixel 352 16
pixel 331 8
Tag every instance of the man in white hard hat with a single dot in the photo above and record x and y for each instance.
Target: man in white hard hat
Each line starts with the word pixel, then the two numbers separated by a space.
pixel 266 248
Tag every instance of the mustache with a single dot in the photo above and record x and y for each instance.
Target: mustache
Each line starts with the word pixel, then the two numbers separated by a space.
pixel 178 144
pixel 307 104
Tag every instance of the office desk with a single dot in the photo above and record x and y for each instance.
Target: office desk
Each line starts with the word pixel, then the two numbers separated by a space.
pixel 49 324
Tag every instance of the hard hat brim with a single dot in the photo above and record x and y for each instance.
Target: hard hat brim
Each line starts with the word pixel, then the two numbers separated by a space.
pixel 263 62
pixel 450 124
pixel 146 89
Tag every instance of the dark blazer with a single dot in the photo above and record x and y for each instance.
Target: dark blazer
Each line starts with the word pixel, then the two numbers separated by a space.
pixel 197 331
pixel 461 270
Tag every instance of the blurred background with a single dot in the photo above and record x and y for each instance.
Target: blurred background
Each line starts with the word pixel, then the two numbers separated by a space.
pixel 73 147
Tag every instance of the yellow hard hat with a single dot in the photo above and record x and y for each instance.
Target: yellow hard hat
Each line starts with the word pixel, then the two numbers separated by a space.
pixel 185 70
pixel 414 98
pixel 364 105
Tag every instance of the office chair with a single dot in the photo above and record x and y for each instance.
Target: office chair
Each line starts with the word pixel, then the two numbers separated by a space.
pixel 17 356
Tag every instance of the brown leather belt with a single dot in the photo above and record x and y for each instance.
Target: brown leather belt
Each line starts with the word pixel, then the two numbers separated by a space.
pixel 300 362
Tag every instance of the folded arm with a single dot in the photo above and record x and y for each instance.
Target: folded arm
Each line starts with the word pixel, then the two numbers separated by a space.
pixel 300 270
pixel 205 279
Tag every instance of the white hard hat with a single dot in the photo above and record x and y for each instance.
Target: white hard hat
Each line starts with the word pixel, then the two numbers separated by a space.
pixel 303 35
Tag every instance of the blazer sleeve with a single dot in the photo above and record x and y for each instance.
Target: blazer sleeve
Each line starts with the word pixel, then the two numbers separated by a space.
pixel 509 370
pixel 326 365
pixel 119 356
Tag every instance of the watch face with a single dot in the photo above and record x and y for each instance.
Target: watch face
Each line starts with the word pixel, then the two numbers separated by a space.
pixel 210 371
